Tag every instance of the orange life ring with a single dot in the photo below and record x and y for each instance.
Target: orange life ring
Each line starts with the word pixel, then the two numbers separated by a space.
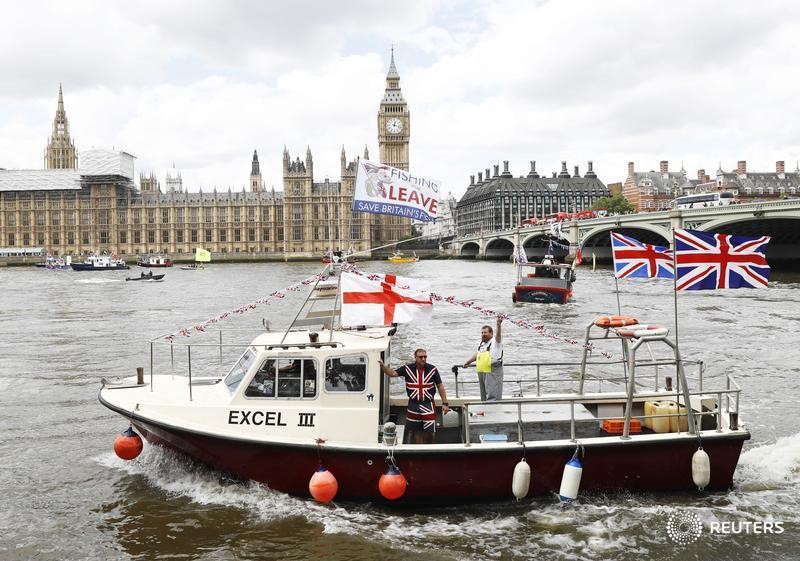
pixel 615 321
pixel 643 331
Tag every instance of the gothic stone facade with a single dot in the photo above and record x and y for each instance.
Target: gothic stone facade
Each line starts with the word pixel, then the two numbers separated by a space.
pixel 98 207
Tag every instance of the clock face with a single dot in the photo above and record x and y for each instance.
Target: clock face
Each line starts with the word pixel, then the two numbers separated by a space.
pixel 394 125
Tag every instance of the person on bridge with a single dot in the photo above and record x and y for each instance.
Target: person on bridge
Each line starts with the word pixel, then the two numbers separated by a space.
pixel 489 362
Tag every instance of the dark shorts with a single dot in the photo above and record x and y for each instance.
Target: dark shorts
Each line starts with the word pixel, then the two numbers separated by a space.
pixel 421 416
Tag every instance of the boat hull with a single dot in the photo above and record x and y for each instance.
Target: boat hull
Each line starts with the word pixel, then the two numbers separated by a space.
pixel 527 294
pixel 87 267
pixel 156 265
pixel 460 474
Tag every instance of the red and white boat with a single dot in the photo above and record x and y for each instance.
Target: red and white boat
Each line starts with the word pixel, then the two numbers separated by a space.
pixel 155 261
pixel 288 404
pixel 545 282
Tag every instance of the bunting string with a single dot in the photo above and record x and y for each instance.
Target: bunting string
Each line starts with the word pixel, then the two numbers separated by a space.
pixel 487 312
pixel 278 294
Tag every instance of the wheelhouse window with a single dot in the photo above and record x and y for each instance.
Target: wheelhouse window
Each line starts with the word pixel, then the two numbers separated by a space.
pixel 284 378
pixel 346 374
pixel 238 371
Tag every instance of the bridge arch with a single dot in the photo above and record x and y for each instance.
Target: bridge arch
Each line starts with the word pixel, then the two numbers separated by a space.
pixel 597 242
pixel 499 248
pixel 537 244
pixel 470 249
pixel 784 232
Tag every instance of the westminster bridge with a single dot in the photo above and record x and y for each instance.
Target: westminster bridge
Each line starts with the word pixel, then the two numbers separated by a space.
pixel 779 219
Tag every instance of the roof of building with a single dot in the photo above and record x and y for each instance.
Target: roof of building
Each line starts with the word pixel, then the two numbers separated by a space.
pixel 538 185
pixel 759 180
pixel 671 180
pixel 39 179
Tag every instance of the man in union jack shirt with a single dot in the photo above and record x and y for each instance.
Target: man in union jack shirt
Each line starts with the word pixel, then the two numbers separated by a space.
pixel 422 381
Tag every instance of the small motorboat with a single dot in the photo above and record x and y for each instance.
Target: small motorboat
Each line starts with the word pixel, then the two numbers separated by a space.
pixel 147 277
pixel 56 263
pixel 155 261
pixel 399 257
pixel 101 263
pixel 200 256
pixel 545 282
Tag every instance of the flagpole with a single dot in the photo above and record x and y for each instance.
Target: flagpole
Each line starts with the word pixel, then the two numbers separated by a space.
pixel 675 286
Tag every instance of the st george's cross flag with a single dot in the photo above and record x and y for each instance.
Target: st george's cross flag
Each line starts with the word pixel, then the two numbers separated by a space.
pixel 707 261
pixel 381 302
pixel 633 258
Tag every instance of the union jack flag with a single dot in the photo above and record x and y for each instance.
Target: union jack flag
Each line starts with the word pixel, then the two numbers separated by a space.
pixel 420 386
pixel 633 258
pixel 422 413
pixel 707 261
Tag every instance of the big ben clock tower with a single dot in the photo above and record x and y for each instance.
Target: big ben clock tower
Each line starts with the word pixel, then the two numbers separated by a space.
pixel 394 132
pixel 394 122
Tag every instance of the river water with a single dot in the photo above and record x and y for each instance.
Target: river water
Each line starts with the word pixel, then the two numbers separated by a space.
pixel 65 495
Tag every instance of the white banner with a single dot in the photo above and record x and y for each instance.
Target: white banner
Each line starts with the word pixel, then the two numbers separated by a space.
pixel 382 189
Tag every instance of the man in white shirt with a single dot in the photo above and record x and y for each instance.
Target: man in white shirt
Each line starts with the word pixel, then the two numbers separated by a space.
pixel 490 366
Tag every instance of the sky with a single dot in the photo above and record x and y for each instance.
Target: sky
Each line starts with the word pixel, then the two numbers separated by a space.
pixel 202 84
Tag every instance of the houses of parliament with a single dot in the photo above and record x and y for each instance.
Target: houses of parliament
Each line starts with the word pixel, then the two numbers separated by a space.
pixel 88 202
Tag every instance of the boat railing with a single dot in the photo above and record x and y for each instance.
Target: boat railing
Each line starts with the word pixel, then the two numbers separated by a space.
pixel 175 365
pixel 729 395
pixel 534 380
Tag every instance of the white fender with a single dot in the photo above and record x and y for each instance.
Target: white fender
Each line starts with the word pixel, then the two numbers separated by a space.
pixel 520 482
pixel 571 480
pixel 701 469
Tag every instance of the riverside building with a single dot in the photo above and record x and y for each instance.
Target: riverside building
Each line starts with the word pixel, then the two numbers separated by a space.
pixel 88 204
pixel 502 201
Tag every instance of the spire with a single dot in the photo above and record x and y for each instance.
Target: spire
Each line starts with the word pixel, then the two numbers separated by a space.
pixel 344 157
pixel 392 68
pixel 393 93
pixel 366 152
pixel 255 169
pixel 60 152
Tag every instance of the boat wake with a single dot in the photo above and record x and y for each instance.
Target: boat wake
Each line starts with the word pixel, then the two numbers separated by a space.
pixel 97 281
pixel 770 466
pixel 595 526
